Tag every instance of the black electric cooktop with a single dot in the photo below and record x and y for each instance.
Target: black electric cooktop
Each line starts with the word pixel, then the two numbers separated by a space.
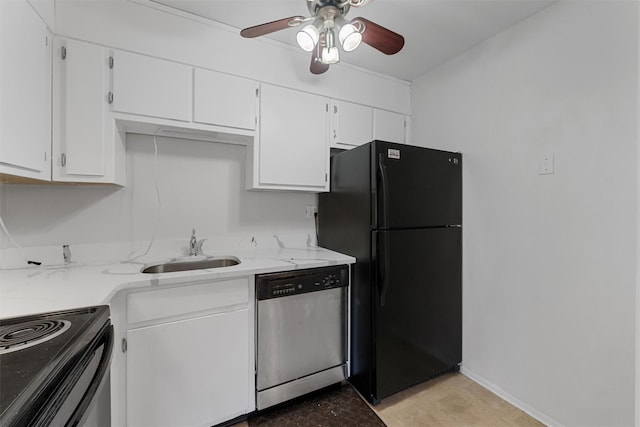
pixel 37 351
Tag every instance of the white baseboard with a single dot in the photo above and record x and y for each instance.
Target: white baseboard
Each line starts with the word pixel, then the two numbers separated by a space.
pixel 544 419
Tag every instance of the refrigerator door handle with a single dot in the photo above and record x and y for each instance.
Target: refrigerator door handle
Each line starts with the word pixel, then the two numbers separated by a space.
pixel 383 268
pixel 385 195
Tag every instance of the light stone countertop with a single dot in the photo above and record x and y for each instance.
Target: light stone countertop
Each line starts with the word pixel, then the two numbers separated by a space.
pixel 39 289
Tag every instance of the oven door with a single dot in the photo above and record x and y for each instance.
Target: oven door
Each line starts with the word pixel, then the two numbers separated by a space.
pixel 81 383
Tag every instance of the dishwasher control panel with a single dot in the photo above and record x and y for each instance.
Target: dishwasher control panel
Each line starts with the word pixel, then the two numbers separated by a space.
pixel 277 285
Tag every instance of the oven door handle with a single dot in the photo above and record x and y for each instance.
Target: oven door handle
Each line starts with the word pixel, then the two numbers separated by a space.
pixel 105 363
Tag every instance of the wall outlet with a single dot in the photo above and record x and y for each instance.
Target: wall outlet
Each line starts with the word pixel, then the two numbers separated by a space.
pixel 546 164
pixel 311 211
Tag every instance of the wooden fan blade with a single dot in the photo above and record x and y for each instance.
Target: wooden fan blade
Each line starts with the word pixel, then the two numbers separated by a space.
pixel 270 27
pixel 378 37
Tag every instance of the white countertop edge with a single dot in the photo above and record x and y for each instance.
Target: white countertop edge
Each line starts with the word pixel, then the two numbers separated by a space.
pixel 46 289
pixel 185 278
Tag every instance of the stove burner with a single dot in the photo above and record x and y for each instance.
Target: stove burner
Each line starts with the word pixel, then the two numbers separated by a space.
pixel 24 335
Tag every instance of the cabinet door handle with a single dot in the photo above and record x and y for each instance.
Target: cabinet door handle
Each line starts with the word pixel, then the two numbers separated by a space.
pixel 63 160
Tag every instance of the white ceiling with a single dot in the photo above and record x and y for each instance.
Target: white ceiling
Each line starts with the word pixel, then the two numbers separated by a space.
pixel 434 30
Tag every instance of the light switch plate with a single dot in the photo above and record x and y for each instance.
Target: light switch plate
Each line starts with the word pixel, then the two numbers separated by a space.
pixel 546 164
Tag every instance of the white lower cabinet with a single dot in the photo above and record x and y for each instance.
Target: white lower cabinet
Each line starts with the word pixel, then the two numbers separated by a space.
pixel 190 372
pixel 189 354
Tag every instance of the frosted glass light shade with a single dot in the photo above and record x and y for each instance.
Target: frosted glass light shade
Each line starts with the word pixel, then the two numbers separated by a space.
pixel 307 37
pixel 349 37
pixel 330 55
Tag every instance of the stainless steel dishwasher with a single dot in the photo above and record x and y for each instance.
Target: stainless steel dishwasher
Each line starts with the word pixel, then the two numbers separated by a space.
pixel 301 332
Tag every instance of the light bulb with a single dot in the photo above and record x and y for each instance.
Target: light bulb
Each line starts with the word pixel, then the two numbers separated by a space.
pixel 350 37
pixel 308 37
pixel 330 55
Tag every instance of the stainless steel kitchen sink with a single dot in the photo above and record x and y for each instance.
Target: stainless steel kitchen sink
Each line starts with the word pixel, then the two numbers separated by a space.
pixel 170 267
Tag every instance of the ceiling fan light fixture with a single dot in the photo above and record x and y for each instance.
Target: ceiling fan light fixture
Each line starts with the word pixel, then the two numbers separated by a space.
pixel 308 37
pixel 349 37
pixel 319 37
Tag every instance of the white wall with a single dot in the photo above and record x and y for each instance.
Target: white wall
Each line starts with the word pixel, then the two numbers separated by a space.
pixel 549 260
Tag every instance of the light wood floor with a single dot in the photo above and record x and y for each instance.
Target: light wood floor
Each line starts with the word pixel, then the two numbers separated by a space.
pixel 451 400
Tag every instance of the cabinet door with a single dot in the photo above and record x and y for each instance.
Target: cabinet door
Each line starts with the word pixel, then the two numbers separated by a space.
pixel 188 373
pixel 351 124
pixel 224 100
pixel 151 87
pixel 80 93
pixel 25 92
pixel 389 126
pixel 293 151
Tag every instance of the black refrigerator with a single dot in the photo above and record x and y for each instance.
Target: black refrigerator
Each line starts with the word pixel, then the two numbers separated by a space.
pixel 398 209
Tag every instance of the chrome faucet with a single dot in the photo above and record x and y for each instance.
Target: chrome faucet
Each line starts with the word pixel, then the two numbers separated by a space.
pixel 195 245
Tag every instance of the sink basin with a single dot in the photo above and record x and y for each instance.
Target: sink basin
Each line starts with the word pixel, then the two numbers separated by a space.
pixel 171 267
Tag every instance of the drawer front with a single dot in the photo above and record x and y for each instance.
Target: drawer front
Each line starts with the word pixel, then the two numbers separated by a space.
pixel 181 301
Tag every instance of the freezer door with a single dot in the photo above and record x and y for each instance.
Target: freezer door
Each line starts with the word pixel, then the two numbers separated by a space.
pixel 417 306
pixel 415 186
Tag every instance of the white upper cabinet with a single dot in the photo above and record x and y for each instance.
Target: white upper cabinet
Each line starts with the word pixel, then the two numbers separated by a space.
pixel 86 146
pixel 224 100
pixel 389 126
pixel 351 124
pixel 153 87
pixel 25 92
pixel 291 151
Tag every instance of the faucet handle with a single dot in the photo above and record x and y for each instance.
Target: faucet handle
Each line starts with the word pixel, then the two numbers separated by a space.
pixel 198 248
pixel 66 254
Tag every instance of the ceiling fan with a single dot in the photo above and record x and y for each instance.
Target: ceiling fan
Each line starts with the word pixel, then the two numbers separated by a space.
pixel 327 17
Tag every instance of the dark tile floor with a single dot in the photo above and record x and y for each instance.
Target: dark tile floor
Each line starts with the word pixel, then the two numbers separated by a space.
pixel 338 406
